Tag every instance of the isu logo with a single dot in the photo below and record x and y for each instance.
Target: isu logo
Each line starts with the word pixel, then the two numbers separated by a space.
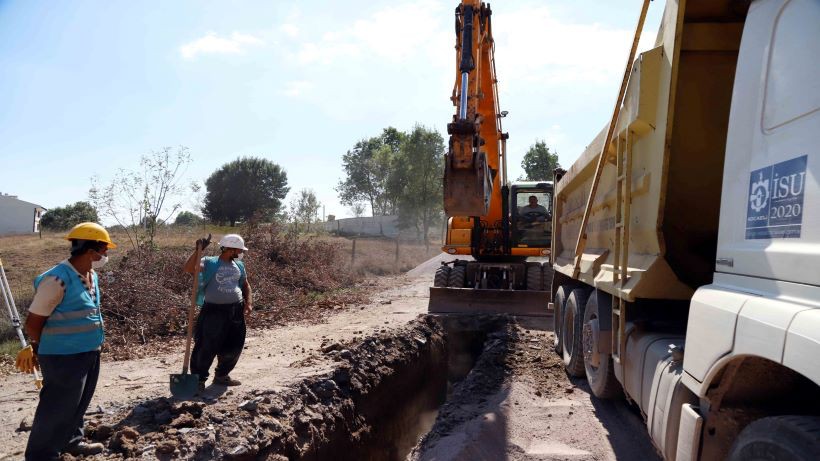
pixel 759 197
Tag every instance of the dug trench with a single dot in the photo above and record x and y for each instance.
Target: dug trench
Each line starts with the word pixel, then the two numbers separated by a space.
pixel 433 389
pixel 382 397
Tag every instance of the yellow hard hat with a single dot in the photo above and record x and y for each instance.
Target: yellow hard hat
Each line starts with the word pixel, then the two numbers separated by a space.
pixel 90 231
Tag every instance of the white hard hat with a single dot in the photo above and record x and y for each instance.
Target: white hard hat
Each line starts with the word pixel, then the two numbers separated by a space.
pixel 233 241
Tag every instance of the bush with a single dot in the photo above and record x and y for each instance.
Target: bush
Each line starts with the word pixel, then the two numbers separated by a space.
pixel 186 218
pixel 146 296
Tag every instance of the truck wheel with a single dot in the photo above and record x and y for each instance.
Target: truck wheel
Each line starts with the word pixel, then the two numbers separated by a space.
pixel 788 438
pixel 572 336
pixel 534 277
pixel 599 367
pixel 442 275
pixel 457 276
pixel 558 302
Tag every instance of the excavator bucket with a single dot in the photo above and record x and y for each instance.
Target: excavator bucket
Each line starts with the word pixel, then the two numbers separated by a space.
pixel 468 191
pixel 478 301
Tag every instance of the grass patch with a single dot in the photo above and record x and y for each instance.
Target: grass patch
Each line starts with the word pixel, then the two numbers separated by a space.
pixel 9 347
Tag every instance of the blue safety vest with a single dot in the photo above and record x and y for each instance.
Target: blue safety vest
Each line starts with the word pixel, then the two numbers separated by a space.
pixel 76 325
pixel 210 266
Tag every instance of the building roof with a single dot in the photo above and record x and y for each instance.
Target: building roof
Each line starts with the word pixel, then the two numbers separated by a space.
pixel 13 198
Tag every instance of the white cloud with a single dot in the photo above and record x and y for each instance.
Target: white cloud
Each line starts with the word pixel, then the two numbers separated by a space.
pixel 290 30
pixel 394 34
pixel 297 88
pixel 212 43
pixel 543 49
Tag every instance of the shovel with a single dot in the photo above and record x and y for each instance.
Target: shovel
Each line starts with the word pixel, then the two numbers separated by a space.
pixel 185 385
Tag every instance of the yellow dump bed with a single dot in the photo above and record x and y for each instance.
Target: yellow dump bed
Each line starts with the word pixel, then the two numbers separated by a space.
pixel 661 230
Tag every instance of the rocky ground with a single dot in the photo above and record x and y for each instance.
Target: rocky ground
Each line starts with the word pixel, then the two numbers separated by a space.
pixel 365 383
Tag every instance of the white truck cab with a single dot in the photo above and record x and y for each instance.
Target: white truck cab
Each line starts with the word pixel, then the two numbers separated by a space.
pixel 753 337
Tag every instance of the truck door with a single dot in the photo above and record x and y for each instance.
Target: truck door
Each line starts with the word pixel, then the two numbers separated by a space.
pixel 770 204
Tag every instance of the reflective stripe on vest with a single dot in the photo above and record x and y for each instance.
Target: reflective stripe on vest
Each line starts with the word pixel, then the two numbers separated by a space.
pixel 76 325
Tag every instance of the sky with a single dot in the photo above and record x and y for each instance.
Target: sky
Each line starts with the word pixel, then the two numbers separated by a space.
pixel 87 87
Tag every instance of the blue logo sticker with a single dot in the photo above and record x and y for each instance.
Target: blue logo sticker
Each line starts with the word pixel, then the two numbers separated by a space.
pixel 775 208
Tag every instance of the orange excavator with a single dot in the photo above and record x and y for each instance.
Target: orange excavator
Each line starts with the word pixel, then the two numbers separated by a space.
pixel 494 224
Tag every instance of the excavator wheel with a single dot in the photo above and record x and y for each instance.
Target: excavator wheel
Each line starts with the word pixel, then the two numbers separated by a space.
pixel 458 275
pixel 535 279
pixel 547 277
pixel 442 277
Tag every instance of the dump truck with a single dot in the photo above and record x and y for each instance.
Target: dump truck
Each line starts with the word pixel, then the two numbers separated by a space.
pixel 685 244
pixel 495 224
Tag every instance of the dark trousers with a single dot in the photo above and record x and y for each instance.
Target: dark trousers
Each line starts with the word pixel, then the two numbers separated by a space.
pixel 220 333
pixel 68 385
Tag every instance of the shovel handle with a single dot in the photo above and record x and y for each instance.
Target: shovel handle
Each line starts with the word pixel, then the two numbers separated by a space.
pixel 191 309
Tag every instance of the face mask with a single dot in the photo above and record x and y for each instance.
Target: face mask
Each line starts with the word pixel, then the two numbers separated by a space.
pixel 100 263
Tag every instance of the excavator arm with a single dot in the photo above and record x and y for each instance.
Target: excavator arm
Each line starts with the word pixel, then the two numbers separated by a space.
pixel 473 161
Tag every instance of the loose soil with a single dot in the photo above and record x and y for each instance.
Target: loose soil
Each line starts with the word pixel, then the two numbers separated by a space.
pixel 347 387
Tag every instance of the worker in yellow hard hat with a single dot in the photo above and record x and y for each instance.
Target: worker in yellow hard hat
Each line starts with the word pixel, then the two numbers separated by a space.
pixel 65 326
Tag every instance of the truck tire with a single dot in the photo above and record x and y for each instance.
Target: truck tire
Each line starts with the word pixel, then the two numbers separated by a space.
pixel 558 302
pixel 535 278
pixel 787 438
pixel 572 332
pixel 599 368
pixel 442 277
pixel 457 276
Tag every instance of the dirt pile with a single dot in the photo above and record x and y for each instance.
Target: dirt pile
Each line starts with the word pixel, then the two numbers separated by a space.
pixel 340 415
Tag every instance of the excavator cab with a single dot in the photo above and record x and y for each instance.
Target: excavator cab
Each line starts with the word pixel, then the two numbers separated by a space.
pixel 531 214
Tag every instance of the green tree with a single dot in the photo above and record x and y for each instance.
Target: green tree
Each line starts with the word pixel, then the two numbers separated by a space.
pixel 244 187
pixel 304 207
pixel 187 218
pixel 367 168
pixel 62 218
pixel 539 163
pixel 416 179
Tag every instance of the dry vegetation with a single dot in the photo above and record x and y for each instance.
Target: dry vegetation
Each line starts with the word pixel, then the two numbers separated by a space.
pixel 145 296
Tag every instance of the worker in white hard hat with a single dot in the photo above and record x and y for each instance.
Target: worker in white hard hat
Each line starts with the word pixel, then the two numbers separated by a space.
pixel 65 326
pixel 224 296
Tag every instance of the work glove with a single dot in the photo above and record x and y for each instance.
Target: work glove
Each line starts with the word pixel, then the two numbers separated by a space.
pixel 204 242
pixel 27 360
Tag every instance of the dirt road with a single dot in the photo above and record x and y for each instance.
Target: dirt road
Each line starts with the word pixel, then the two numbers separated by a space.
pixel 530 412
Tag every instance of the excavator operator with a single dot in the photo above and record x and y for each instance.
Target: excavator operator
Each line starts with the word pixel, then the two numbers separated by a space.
pixel 532 212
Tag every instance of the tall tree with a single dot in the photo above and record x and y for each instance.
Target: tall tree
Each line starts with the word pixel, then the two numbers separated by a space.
pixel 304 208
pixel 241 188
pixel 141 200
pixel 61 218
pixel 367 169
pixel 539 163
pixel 416 179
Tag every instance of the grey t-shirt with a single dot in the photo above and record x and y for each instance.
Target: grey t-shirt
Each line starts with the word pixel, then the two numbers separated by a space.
pixel 536 209
pixel 224 286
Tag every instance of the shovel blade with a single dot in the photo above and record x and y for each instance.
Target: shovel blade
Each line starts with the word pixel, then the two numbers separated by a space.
pixel 184 386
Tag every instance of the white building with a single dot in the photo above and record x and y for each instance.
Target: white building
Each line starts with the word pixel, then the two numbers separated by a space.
pixel 18 216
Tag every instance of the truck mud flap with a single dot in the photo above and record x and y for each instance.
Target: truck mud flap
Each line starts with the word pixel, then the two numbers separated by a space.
pixel 477 301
